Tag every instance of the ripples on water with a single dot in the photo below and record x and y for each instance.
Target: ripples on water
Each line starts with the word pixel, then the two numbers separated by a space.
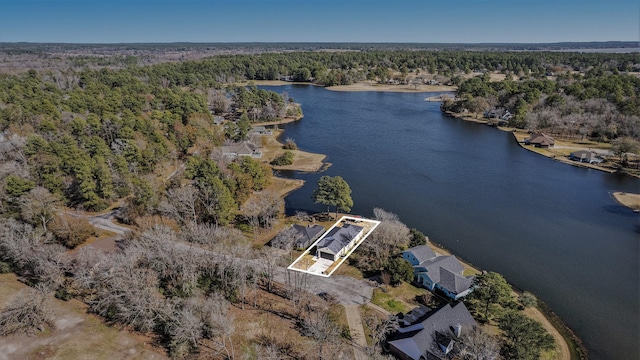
pixel 550 228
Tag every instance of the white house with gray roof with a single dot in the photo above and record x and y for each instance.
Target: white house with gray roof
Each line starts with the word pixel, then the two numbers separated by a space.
pixel 338 242
pixel 443 273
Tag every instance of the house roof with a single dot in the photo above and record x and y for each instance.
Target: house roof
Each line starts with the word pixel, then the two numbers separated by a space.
pixel 306 233
pixel 240 148
pixel 540 139
pixel 585 154
pixel 435 324
pixel 433 266
pixel 453 282
pixel 421 252
pixel 338 238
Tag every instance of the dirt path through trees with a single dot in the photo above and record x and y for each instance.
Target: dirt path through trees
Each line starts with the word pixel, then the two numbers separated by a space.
pixel 356 329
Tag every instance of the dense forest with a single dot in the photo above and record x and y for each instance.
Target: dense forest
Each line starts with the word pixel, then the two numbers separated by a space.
pixel 599 104
pixel 91 132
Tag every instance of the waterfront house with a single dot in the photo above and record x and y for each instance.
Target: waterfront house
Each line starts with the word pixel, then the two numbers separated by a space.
pixel 438 273
pixel 426 334
pixel 540 140
pixel 586 156
pixel 306 235
pixel 338 241
pixel 242 148
pixel 260 130
pixel 418 254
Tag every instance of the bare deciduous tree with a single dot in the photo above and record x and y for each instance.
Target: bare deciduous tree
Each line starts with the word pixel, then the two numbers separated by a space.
pixel 32 253
pixel 38 206
pixel 269 264
pixel 181 204
pixel 285 240
pixel 218 101
pixel 319 326
pixel 380 328
pixel 218 323
pixel 26 313
pixel 390 237
pixel 476 344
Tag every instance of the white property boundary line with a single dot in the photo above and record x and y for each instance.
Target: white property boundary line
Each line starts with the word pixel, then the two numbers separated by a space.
pixel 342 259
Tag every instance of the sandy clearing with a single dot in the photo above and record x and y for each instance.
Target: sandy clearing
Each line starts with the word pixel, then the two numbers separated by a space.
pixel 632 201
pixel 283 186
pixel 302 160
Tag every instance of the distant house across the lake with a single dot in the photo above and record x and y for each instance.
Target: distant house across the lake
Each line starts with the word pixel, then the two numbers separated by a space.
pixel 430 334
pixel 586 156
pixel 260 130
pixel 443 273
pixel 540 140
pixel 243 148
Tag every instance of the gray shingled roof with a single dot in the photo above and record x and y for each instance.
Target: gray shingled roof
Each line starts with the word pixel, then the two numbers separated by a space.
pixel 421 340
pixel 583 155
pixel 338 238
pixel 307 233
pixel 454 282
pixel 422 252
pixel 432 266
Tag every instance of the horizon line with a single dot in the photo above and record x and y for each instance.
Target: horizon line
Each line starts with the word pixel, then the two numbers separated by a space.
pixel 322 42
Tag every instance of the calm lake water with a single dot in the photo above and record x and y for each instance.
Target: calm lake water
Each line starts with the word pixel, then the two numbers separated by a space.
pixel 549 228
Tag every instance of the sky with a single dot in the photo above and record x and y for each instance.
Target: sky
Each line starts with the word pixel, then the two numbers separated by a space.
pixel 425 21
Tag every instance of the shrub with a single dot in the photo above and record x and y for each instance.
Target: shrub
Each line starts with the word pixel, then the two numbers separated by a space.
pixel 284 159
pixel 290 144
pixel 5 267
pixel 71 231
pixel 528 300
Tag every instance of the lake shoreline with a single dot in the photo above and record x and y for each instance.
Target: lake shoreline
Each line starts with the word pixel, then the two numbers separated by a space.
pixel 563 335
pixel 540 151
pixel 547 317
pixel 427 136
pixel 368 86
pixel 629 200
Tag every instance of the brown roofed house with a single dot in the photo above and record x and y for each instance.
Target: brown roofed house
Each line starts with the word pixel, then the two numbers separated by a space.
pixel 540 140
pixel 243 148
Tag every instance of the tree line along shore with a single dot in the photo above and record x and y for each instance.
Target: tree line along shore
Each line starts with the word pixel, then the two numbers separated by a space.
pixel 85 134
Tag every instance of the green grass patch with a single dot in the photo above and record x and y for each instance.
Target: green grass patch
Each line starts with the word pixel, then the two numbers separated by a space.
pixel 397 299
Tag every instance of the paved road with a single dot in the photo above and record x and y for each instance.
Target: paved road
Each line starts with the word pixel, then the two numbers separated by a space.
pixel 105 222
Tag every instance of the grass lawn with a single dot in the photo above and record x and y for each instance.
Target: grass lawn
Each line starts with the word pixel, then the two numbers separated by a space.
pixel 349 270
pixel 397 299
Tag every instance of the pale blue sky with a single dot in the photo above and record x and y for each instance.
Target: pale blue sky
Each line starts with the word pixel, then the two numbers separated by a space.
pixel 458 21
